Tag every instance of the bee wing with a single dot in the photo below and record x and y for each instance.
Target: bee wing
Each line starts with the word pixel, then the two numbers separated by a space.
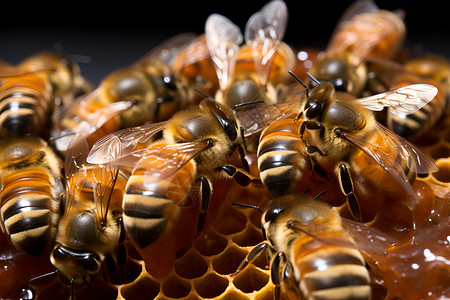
pixel 254 120
pixel 356 8
pixel 160 160
pixel 387 161
pixel 8 71
pixel 264 31
pixel 168 50
pixel 123 141
pixel 403 101
pixel 369 239
pixel 75 167
pixel 223 39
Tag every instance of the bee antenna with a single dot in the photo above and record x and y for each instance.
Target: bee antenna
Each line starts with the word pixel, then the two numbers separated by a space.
pixel 202 93
pixel 238 106
pixel 52 139
pixel 313 78
pixel 247 205
pixel 71 288
pixel 91 287
pixel 300 81
pixel 43 276
pixel 320 194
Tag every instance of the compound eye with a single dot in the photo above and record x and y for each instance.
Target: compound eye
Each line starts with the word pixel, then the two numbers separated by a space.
pixel 272 213
pixel 169 83
pixel 231 132
pixel 313 110
pixel 340 84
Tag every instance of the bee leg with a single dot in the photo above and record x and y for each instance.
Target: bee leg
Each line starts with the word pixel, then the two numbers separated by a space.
pixel 205 188
pixel 289 280
pixel 346 185
pixel 253 255
pixel 275 267
pixel 241 177
pixel 312 126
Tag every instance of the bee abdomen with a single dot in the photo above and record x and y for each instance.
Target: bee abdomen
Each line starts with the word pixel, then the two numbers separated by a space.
pixel 146 212
pixel 23 107
pixel 335 273
pixel 29 212
pixel 280 162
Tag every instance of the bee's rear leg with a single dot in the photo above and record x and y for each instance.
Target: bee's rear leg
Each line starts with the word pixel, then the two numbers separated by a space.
pixel 347 188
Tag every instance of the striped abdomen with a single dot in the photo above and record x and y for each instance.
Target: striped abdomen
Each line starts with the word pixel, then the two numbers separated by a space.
pixel 415 125
pixel 150 208
pixel 280 158
pixel 29 208
pixel 329 271
pixel 24 105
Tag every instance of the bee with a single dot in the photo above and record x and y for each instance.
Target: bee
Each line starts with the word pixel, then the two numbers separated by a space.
pixel 65 79
pixel 90 230
pixel 428 68
pixel 342 136
pixel 198 145
pixel 363 32
pixel 312 250
pixel 32 187
pixel 255 70
pixel 147 91
pixel 29 91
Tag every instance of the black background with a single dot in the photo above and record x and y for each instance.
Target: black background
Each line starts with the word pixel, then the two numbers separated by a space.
pixel 106 37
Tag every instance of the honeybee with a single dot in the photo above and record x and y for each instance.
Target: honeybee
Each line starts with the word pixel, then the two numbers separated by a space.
pixel 31 191
pixel 428 68
pixel 197 145
pixel 312 250
pixel 65 79
pixel 147 91
pixel 363 32
pixel 342 136
pixel 252 71
pixel 29 91
pixel 90 230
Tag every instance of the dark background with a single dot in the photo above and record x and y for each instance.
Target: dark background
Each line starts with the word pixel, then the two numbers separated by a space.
pixel 106 37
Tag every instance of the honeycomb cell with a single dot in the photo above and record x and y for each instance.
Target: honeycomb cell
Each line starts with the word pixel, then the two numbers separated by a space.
pixel 228 261
pixel 251 279
pixel 442 151
pixel 210 243
pixel 175 287
pixel 249 237
pixel 443 174
pixel 230 221
pixel 142 288
pixel 191 265
pixel 211 285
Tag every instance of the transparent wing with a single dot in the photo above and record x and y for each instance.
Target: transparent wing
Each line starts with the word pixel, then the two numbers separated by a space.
pixel 254 120
pixel 223 39
pixel 125 141
pixel 404 100
pixel 75 168
pixel 168 50
pixel 264 31
pixel 388 161
pixel 160 160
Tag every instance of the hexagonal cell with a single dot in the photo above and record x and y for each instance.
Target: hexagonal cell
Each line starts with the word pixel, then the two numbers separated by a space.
pixel 211 285
pixel 251 279
pixel 230 221
pixel 227 262
pixel 210 243
pixel 248 237
pixel 443 174
pixel 191 265
pixel 441 151
pixel 143 288
pixel 233 294
pixel 175 287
